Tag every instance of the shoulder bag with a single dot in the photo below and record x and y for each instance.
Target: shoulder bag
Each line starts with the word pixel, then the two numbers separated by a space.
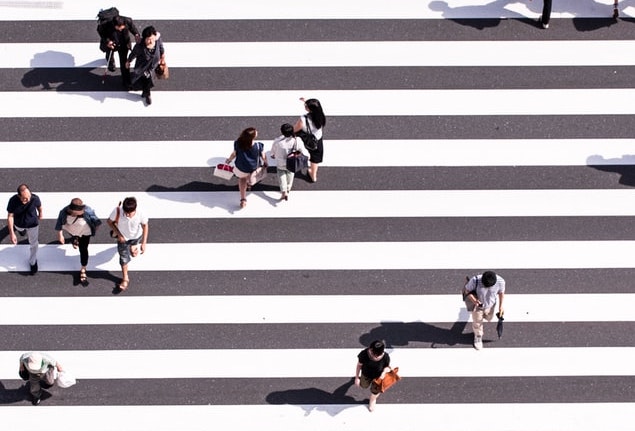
pixel 310 141
pixel 296 161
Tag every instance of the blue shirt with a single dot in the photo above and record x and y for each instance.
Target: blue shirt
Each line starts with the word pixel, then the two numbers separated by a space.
pixel 247 161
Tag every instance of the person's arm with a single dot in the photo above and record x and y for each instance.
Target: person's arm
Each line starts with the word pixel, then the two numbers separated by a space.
pixel 231 157
pixel 144 239
pixel 11 226
pixel 298 125
pixel 501 296
pixel 358 370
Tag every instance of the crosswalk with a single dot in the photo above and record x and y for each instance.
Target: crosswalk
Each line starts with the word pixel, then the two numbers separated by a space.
pixel 461 137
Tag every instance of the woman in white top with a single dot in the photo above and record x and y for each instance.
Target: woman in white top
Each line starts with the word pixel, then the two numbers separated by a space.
pixel 315 121
pixel 282 146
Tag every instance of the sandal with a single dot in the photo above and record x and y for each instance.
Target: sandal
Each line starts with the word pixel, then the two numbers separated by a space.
pixel 83 278
pixel 75 242
pixel 243 203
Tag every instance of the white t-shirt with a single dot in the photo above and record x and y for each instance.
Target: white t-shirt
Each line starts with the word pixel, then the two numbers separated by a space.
pixel 130 227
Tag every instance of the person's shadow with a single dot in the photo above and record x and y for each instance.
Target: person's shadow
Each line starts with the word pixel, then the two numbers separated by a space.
pixel 624 166
pixel 402 334
pixel 482 13
pixel 68 78
pixel 314 399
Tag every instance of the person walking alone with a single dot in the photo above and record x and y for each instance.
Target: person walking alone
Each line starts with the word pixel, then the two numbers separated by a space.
pixel 372 362
pixel 484 290
pixel 130 225
pixel 24 212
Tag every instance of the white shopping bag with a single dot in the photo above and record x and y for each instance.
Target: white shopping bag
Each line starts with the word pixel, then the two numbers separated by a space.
pixel 65 380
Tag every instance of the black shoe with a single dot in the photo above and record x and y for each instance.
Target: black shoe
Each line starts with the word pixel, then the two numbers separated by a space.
pixel 34 269
pixel 148 100
pixel 35 401
pixel 111 67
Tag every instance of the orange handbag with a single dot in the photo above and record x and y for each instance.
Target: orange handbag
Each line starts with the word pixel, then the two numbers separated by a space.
pixel 389 379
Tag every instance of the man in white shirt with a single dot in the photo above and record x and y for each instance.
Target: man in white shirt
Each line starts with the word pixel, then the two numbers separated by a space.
pixel 483 290
pixel 130 226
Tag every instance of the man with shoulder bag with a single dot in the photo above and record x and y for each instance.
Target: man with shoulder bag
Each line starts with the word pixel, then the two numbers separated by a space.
pixel 481 293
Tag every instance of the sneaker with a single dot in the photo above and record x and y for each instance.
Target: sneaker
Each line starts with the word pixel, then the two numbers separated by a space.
pixel 478 342
pixel 34 269
pixel 545 26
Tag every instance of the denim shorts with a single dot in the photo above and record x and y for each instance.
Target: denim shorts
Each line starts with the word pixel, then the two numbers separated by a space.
pixel 123 248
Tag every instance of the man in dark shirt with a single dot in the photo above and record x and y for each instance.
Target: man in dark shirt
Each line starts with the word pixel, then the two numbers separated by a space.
pixel 24 214
pixel 115 36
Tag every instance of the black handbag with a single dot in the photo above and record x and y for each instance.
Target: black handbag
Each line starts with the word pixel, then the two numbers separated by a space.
pixel 310 141
pixel 296 161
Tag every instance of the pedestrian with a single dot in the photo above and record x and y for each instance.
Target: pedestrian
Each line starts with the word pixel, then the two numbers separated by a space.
pixel 24 214
pixel 313 123
pixel 115 37
pixel 148 54
pixel 483 290
pixel 247 153
pixel 282 146
pixel 80 222
pixel 546 14
pixel 373 362
pixel 38 367
pixel 130 225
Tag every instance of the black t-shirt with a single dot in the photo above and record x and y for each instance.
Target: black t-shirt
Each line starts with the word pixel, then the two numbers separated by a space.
pixel 24 215
pixel 372 369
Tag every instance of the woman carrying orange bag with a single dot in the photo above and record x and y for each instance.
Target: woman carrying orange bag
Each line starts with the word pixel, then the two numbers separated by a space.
pixel 373 362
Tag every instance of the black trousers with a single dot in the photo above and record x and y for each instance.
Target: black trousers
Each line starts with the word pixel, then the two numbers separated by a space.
pixel 546 11
pixel 123 57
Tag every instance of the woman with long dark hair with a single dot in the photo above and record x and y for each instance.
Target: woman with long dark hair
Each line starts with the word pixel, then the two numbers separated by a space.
pixel 247 152
pixel 312 123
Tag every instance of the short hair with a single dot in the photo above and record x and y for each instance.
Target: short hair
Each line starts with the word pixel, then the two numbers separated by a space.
pixel 287 130
pixel 148 31
pixel 22 187
pixel 488 278
pixel 129 205
pixel 377 347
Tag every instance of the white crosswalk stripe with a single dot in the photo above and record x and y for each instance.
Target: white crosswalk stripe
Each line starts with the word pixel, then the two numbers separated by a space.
pixel 262 330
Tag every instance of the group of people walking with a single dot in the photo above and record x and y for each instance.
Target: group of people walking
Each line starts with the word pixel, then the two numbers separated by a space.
pixel 306 135
pixel 116 35
pixel 129 226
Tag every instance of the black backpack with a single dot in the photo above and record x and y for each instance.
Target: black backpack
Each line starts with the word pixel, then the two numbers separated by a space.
pixel 104 19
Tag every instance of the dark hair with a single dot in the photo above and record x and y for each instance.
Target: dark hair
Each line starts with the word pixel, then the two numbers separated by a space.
pixel 148 31
pixel 377 347
pixel 22 187
pixel 287 130
pixel 118 20
pixel 488 278
pixel 315 112
pixel 246 138
pixel 129 205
